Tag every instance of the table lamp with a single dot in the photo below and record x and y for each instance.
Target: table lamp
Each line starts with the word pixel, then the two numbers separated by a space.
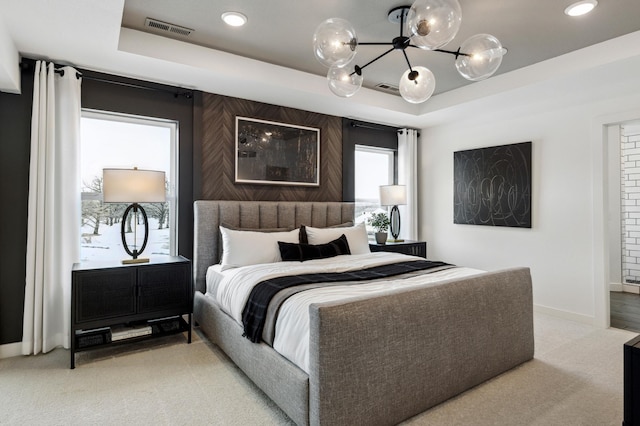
pixel 394 195
pixel 133 186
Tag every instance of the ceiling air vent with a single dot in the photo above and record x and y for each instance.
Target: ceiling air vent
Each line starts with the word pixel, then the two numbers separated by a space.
pixel 165 26
pixel 384 87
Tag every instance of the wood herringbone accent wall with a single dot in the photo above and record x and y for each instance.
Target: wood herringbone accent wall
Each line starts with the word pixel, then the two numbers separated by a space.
pixel 218 151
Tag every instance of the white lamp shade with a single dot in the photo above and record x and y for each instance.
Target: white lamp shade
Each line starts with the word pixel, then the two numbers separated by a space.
pixel 393 195
pixel 133 186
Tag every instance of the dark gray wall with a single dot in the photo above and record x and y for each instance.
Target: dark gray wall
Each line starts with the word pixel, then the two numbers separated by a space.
pixel 15 143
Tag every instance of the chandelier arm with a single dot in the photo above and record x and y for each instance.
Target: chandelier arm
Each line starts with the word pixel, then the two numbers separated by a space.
pixel 404 52
pixel 375 59
pixel 387 43
pixel 455 53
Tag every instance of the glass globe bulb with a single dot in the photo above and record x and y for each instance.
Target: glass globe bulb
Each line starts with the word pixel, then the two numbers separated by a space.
pixel 485 56
pixel 418 85
pixel 433 23
pixel 334 42
pixel 344 81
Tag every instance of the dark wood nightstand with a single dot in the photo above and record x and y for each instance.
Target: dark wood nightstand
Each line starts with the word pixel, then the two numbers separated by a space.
pixel 114 303
pixel 414 248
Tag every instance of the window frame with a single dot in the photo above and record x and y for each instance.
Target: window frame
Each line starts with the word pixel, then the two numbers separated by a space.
pixel 174 164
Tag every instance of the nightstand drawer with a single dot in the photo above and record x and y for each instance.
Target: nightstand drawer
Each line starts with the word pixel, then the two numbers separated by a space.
pixel 99 295
pixel 164 288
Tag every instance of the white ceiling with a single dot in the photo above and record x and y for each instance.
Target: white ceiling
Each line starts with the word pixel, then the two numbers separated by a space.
pixel 270 59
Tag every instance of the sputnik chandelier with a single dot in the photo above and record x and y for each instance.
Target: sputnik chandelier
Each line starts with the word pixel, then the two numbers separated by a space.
pixel 430 25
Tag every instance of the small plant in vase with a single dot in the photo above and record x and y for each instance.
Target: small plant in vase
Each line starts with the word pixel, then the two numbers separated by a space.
pixel 380 222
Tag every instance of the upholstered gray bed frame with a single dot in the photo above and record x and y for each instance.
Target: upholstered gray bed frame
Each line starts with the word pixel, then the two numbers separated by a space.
pixel 378 360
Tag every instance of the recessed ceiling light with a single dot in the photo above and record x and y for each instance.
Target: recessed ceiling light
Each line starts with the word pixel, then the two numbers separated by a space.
pixel 235 19
pixel 581 7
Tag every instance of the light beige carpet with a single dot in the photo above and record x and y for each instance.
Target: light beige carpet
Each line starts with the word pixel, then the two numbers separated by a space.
pixel 575 379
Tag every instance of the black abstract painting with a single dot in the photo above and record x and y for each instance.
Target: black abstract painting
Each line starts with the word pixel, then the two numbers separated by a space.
pixel 492 186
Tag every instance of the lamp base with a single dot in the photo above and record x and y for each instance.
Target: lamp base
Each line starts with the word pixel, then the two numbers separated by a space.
pixel 138 260
pixel 136 252
pixel 394 226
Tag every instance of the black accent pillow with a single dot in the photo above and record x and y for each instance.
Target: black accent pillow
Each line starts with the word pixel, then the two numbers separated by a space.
pixel 302 252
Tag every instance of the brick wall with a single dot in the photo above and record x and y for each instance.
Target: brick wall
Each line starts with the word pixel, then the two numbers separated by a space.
pixel 630 192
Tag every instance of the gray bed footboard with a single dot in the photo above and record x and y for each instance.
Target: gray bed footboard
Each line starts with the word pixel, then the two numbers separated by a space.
pixel 381 360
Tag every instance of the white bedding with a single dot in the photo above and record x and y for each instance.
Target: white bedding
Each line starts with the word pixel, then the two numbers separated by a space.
pixel 231 289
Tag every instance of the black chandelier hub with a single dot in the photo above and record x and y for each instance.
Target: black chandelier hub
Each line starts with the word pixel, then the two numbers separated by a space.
pixel 401 42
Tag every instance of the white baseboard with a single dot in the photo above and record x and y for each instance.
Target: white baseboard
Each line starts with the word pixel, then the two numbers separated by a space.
pixel 615 287
pixel 627 288
pixel 10 350
pixel 559 313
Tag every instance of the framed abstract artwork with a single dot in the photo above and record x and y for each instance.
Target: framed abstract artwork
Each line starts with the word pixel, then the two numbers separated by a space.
pixel 492 186
pixel 274 153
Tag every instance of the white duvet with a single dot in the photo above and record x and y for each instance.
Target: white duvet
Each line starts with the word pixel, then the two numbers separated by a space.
pixel 232 287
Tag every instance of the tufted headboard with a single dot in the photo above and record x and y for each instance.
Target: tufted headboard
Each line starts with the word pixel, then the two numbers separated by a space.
pixel 209 214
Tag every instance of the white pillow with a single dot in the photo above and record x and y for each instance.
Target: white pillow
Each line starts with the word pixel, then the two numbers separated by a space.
pixel 356 237
pixel 242 248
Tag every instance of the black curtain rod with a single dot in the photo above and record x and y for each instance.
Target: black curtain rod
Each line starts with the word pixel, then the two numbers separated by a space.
pixel 28 64
pixel 61 72
pixel 188 94
pixel 374 127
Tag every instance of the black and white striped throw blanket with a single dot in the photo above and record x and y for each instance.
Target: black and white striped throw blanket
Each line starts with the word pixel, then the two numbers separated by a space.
pixel 254 313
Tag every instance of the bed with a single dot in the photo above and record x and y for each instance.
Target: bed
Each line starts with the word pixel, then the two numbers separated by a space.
pixel 376 359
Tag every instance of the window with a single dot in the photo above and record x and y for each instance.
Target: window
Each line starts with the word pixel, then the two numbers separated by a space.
pixel 125 141
pixel 373 167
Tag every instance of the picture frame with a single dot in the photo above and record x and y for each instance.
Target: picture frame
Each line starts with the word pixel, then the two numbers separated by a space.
pixel 273 153
pixel 492 186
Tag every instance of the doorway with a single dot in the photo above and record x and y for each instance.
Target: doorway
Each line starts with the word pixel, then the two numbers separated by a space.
pixel 624 296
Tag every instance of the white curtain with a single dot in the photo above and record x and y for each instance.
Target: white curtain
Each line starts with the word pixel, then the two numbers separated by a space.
pixel 408 175
pixel 53 232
